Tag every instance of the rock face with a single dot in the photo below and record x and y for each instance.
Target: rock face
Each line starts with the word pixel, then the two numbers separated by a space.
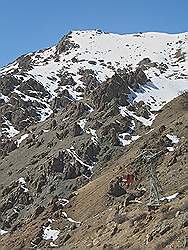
pixel 7 146
pixel 31 86
pixel 118 87
pixel 116 189
pixel 65 44
pixel 72 171
pixel 18 197
pixel 109 90
pixel 77 130
pixel 7 84
pixel 25 62
pixel 19 111
pixel 88 77
pixel 57 164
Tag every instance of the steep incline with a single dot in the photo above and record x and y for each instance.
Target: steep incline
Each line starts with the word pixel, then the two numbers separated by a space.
pixel 99 215
pixel 77 117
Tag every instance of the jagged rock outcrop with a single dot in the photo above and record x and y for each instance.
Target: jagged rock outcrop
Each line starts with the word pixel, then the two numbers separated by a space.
pixel 65 44
pixel 33 88
pixel 77 130
pixel 7 146
pixel 115 188
pixel 88 77
pixel 118 87
pixel 8 84
pixel 24 62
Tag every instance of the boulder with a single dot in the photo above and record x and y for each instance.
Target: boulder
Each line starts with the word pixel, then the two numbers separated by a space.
pixel 115 188
pixel 72 171
pixel 77 130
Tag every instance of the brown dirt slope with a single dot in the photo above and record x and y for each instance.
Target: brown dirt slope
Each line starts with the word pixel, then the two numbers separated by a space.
pixel 109 221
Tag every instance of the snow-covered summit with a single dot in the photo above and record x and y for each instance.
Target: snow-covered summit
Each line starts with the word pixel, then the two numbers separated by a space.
pixel 49 72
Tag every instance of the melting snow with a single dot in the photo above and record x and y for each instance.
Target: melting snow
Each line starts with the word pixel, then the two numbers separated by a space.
pixel 90 108
pixel 130 138
pixel 126 142
pixel 65 119
pixel 146 122
pixel 93 132
pixel 135 137
pixel 70 219
pixel 23 137
pixel 72 153
pixel 50 234
pixel 173 138
pixel 170 198
pixel 50 220
pixel 4 97
pixel 46 130
pixel 122 139
pixel 149 131
pixel 82 123
pixel 64 202
pixel 53 245
pixel 170 149
pixel 23 184
pixel 3 232
pixel 10 129
pixel 21 180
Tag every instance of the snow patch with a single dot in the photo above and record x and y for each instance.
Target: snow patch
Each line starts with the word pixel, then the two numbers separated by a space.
pixel 50 234
pixel 170 149
pixel 124 141
pixel 4 97
pixel 90 108
pixel 72 153
pixel 146 122
pixel 46 130
pixel 23 184
pixel 23 137
pixel 82 123
pixel 63 201
pixel 70 219
pixel 159 92
pixel 2 232
pixel 93 132
pixel 53 245
pixel 173 138
pixel 169 198
pixel 10 130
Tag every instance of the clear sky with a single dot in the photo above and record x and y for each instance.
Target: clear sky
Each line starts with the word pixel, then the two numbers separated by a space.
pixel 29 25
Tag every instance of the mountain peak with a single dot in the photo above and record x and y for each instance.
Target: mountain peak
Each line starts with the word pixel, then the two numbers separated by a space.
pixel 86 126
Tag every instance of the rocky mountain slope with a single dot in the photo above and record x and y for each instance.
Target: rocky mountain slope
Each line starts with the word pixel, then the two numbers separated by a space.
pixel 75 119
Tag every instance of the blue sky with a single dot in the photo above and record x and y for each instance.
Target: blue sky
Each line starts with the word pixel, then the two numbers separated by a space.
pixel 28 25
